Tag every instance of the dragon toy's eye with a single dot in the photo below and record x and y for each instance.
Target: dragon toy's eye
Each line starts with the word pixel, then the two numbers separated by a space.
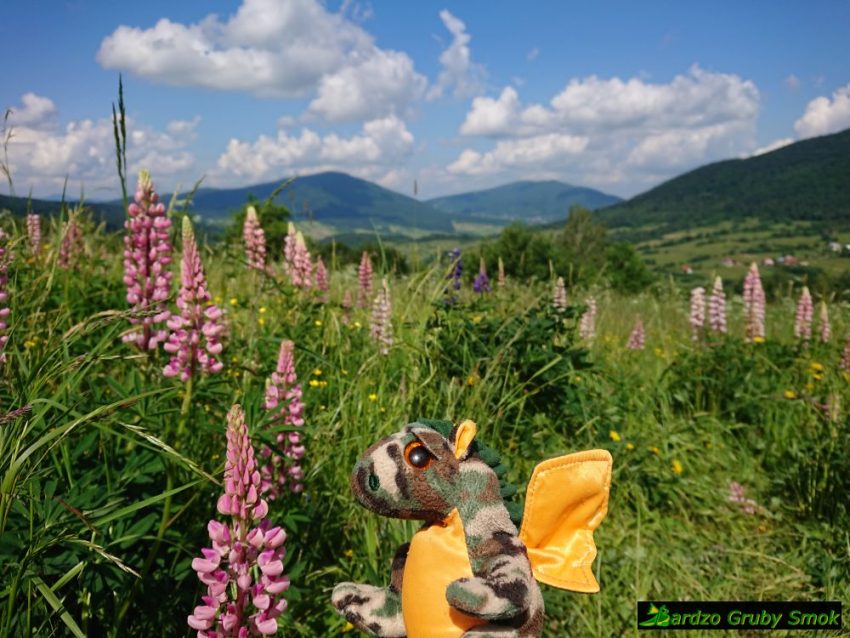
pixel 417 456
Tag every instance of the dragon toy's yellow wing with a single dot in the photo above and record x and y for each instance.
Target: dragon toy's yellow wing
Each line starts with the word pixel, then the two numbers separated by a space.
pixel 566 500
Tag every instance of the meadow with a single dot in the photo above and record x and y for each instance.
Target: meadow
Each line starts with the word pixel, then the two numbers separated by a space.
pixel 731 454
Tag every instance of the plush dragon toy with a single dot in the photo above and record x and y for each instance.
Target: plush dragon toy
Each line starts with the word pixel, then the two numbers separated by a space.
pixel 468 572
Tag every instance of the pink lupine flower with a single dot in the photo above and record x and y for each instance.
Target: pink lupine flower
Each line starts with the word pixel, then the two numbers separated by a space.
pixel 255 240
pixel 5 259
pixel 195 332
pixel 500 280
pixel 717 307
pixel 381 328
pixel 301 272
pixel 697 314
pixel 72 246
pixel 243 570
pixel 147 256
pixel 282 466
pixel 637 339
pixel 347 305
pixel 587 323
pixel 289 248
pixel 34 232
pixel 803 317
pixel 364 273
pixel 738 495
pixel 825 329
pixel 844 364
pixel 322 280
pixel 754 303
pixel 559 295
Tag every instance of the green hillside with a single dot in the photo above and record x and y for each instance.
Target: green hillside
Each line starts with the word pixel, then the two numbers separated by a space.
pixel 807 180
pixel 111 213
pixel 527 201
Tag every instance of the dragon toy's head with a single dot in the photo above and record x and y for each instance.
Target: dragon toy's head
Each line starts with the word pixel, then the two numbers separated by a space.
pixel 417 473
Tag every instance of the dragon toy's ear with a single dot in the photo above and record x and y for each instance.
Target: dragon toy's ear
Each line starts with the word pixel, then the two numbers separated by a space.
pixel 464 434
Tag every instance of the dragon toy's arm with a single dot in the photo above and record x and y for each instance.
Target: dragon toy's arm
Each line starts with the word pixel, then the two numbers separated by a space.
pixel 375 610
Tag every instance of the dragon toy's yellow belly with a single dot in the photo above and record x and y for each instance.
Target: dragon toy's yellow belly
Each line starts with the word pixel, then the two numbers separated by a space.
pixel 437 557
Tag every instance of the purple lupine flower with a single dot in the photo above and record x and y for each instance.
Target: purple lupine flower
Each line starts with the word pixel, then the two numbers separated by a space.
pixel 72 246
pixel 147 255
pixel 34 232
pixel 754 304
pixel 803 316
pixel 381 329
pixel 457 268
pixel 500 280
pixel 323 284
pixel 717 307
pixel 559 295
pixel 283 399
pixel 825 329
pixel 697 314
pixel 255 240
pixel 364 275
pixel 482 281
pixel 587 323
pixel 289 248
pixel 199 320
pixel 738 495
pixel 347 305
pixel 637 339
pixel 5 259
pixel 243 570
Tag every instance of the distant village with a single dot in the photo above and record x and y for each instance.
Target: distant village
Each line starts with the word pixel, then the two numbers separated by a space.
pixel 783 260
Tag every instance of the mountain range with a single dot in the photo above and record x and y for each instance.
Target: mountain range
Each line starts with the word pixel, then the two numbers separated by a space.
pixel 806 180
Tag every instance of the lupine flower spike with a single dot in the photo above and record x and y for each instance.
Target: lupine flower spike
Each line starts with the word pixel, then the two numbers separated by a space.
pixel 697 315
pixel 364 274
pixel 825 329
pixel 243 568
pixel 282 466
pixel 147 256
pixel 72 246
pixel 255 240
pixel 501 278
pixel 34 232
pixel 195 338
pixel 5 258
pixel 559 295
pixel 717 307
pixel 587 323
pixel 803 317
pixel 289 248
pixel 381 328
pixel 637 339
pixel 322 282
pixel 481 283
pixel 844 364
pixel 302 264
pixel 754 303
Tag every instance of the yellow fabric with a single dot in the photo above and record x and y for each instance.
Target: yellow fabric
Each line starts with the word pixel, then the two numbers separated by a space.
pixel 566 500
pixel 437 557
pixel 463 438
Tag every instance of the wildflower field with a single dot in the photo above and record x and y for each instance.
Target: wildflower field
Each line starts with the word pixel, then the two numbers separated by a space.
pixel 136 500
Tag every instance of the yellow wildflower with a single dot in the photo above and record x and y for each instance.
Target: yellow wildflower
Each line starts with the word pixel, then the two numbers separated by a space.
pixel 758 339
pixel 630 446
pixel 655 450
pixel 676 466
pixel 382 409
pixel 262 310
pixel 471 379
pixel 217 299
pixel 809 387
pixel 317 372
pixel 347 627
pixel 317 323
pixel 476 319
pixel 349 553
pixel 373 397
pixel 313 383
pixel 789 394
pixel 357 325
pixel 614 435
pixel 29 343
pixel 816 367
pixel 234 301
pixel 817 376
pixel 261 321
pixel 344 372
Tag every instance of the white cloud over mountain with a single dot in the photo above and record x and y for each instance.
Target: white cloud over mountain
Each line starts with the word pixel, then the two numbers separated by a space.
pixel 825 115
pixel 274 49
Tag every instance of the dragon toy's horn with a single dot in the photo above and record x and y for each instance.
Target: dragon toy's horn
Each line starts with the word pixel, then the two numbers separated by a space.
pixel 464 435
pixel 567 499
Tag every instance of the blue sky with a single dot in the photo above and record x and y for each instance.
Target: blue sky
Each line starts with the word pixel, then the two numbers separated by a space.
pixel 459 96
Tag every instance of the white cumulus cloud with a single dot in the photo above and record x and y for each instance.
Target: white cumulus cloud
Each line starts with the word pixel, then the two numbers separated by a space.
pixel 375 153
pixel 273 49
pixel 459 73
pixel 824 115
